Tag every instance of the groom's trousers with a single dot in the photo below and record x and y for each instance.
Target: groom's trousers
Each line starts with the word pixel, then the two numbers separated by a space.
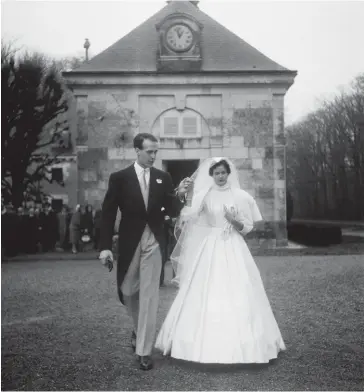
pixel 140 290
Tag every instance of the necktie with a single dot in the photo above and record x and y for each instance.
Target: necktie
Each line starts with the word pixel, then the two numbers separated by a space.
pixel 145 184
pixel 145 187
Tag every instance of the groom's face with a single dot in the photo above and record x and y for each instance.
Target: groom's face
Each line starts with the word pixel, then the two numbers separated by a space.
pixel 148 154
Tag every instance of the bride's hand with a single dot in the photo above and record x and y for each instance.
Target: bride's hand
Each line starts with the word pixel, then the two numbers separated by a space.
pixel 229 216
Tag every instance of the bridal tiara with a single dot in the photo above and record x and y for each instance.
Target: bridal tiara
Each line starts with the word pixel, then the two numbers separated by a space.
pixel 216 160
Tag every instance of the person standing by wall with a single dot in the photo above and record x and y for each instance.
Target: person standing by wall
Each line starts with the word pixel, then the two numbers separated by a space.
pixel 31 229
pixel 75 229
pixel 39 232
pixel 50 229
pixel 87 221
pixel 63 223
pixel 97 226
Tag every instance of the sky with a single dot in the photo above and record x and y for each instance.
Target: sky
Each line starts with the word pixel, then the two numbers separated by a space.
pixel 323 41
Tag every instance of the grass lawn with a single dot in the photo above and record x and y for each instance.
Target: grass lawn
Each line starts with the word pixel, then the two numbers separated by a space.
pixel 64 329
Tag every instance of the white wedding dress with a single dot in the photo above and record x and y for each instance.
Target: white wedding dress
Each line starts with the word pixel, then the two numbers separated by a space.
pixel 221 313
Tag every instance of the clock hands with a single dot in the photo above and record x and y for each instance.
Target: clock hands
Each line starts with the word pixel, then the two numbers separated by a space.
pixel 179 32
pixel 178 35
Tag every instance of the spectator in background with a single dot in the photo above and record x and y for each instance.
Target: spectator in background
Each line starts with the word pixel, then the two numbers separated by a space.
pixel 30 204
pixel 63 222
pixel 38 213
pixel 38 206
pixel 21 211
pixel 75 229
pixel 49 229
pixel 97 225
pixel 31 232
pixel 87 221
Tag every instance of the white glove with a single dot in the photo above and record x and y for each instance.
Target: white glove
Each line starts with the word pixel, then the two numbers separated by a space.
pixel 105 255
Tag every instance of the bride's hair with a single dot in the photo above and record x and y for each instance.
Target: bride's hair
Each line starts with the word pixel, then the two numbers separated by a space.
pixel 220 163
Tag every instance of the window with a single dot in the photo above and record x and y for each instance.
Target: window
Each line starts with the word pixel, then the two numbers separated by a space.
pixel 57 174
pixel 180 125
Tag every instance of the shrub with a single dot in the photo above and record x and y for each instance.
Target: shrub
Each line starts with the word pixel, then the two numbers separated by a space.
pixel 314 234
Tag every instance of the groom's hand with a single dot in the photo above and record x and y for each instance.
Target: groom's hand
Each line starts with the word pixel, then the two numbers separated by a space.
pixel 184 186
pixel 107 259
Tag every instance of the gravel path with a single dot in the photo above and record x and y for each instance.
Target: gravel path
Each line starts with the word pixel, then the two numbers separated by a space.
pixel 64 329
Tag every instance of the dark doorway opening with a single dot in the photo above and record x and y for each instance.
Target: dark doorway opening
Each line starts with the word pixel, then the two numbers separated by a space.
pixel 180 169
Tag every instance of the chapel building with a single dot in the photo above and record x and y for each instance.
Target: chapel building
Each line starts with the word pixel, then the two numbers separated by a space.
pixel 200 89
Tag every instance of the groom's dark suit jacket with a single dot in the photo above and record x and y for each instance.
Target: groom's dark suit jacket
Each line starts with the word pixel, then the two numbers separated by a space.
pixel 124 193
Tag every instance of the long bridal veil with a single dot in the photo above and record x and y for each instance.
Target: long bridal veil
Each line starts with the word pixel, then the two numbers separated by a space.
pixel 190 228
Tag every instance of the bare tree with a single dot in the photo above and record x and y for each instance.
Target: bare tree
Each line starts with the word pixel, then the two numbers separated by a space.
pixel 325 158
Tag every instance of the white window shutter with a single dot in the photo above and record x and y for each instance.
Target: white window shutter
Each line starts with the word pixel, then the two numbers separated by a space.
pixel 189 126
pixel 170 126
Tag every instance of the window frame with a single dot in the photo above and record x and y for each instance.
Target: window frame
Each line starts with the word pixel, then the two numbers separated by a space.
pixel 180 134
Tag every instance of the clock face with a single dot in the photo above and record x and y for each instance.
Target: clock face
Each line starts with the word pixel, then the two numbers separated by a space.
pixel 179 38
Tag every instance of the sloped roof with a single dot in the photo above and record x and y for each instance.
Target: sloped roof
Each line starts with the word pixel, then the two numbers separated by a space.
pixel 222 50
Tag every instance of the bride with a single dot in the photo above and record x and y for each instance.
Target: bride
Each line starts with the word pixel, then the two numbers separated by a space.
pixel 221 313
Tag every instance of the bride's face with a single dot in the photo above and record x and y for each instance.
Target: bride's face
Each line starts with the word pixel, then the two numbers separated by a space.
pixel 220 175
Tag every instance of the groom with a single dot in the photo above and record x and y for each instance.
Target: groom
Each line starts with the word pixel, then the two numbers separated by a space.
pixel 140 192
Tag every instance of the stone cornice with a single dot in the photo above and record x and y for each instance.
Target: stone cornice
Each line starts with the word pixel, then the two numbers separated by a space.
pixel 275 78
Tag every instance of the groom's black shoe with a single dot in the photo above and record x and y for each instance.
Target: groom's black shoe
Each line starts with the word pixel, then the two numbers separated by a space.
pixel 146 363
pixel 133 340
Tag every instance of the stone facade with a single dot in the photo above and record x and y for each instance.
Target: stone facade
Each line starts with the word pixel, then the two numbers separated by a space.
pixel 243 121
pixel 232 105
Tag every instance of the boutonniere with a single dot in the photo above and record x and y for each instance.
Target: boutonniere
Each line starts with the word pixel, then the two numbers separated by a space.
pixel 159 181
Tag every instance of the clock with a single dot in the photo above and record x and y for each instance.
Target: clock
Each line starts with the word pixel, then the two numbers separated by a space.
pixel 179 37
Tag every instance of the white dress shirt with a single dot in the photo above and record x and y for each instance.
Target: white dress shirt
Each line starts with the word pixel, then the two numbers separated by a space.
pixel 140 173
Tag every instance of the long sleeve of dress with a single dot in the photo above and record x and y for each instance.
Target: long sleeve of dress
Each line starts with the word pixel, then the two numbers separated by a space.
pixel 249 214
